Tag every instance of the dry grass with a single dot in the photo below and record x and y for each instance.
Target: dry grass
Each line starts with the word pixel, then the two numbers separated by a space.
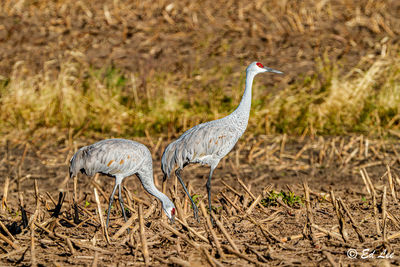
pixel 334 102
pixel 349 201
pixel 123 68
pixel 109 101
pixel 72 72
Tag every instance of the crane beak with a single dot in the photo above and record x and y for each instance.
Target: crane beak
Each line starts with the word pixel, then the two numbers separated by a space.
pixel 272 70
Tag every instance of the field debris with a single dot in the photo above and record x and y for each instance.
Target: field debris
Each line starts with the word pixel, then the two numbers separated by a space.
pixel 313 181
pixel 319 223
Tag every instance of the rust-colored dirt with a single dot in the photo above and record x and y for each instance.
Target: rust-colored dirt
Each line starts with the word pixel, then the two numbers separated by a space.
pixel 274 234
pixel 145 37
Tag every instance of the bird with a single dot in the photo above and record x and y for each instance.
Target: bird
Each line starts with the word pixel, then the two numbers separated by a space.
pixel 209 142
pixel 120 158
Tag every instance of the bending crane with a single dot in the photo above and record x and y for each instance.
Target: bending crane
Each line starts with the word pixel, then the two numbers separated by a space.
pixel 120 158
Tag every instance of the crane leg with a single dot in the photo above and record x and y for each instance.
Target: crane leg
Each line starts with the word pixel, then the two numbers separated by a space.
pixel 195 209
pixel 164 183
pixel 121 202
pixel 208 185
pixel 110 203
pixel 76 212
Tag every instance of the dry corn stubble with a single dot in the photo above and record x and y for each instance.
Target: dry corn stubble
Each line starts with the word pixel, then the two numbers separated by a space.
pixel 178 64
pixel 253 231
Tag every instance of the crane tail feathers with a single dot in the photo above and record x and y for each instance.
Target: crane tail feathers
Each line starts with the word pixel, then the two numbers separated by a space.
pixel 75 164
pixel 171 158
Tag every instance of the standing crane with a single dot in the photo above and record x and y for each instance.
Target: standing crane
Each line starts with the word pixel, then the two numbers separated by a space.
pixel 209 142
pixel 120 158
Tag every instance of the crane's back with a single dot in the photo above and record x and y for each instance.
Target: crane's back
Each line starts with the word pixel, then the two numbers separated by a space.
pixel 205 143
pixel 113 157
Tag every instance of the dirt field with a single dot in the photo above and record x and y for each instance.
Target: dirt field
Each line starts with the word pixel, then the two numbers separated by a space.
pixel 257 229
pixel 278 200
pixel 180 36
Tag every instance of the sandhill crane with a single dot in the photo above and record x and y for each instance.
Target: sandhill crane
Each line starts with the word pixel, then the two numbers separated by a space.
pixel 209 142
pixel 120 158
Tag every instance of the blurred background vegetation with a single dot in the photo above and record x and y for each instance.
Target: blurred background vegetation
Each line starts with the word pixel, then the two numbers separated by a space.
pixel 135 68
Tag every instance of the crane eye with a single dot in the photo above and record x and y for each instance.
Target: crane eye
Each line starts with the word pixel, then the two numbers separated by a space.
pixel 260 65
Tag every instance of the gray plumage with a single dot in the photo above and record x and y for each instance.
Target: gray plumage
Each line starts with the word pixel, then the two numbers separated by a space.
pixel 120 158
pixel 209 142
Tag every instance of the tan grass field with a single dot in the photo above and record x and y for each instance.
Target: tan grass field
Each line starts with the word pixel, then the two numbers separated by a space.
pixel 314 180
pixel 122 68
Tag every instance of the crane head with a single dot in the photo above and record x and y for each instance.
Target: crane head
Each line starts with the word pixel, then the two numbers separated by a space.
pixel 257 67
pixel 169 210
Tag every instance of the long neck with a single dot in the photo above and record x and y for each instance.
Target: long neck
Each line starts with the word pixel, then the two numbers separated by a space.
pixel 243 110
pixel 148 184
